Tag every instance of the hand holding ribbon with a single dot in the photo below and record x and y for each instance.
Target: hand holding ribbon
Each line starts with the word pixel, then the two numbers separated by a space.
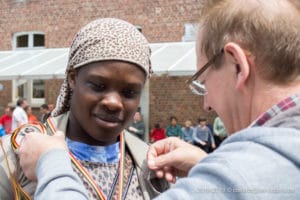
pixel 33 146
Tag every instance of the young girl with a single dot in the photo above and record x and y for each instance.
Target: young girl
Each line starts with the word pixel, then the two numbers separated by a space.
pixel 109 63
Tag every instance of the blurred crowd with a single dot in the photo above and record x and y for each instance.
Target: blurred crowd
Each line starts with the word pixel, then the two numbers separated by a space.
pixel 204 135
pixel 14 117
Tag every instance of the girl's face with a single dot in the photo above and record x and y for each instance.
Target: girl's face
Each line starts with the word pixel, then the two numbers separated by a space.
pixel 105 97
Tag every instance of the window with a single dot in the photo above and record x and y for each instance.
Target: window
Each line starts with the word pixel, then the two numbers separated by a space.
pixel 38 88
pixel 22 41
pixel 32 90
pixel 28 40
pixel 38 40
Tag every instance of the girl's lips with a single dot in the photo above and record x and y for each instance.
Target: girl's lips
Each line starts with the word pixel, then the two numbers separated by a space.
pixel 108 121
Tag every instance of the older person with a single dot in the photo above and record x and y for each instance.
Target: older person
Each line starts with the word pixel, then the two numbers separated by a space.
pixel 109 63
pixel 248 61
pixel 248 57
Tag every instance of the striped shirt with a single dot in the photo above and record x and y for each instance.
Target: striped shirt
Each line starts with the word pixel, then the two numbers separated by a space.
pixel 282 106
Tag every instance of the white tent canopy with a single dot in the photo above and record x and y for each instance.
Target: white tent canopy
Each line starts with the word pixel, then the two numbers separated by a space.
pixel 174 59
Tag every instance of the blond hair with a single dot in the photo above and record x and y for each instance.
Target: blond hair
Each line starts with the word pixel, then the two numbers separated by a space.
pixel 269 29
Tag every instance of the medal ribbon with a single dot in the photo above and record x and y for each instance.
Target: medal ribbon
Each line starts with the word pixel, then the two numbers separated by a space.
pixel 34 126
pixel 86 174
pixel 19 192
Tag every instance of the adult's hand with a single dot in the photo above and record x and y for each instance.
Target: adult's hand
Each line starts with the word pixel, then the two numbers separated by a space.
pixel 173 157
pixel 33 146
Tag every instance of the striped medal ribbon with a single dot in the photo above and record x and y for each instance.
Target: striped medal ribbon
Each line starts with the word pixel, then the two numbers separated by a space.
pixel 16 138
pixel 86 174
pixel 19 133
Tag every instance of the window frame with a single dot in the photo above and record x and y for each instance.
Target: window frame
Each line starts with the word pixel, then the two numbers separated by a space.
pixel 30 40
pixel 34 102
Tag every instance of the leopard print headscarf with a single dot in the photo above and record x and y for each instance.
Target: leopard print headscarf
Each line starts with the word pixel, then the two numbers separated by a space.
pixel 101 40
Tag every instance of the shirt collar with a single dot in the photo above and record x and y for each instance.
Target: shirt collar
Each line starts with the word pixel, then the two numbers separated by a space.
pixel 282 106
pixel 91 153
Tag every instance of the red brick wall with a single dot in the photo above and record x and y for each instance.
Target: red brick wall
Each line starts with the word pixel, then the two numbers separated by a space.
pixel 171 96
pixel 161 21
pixel 52 87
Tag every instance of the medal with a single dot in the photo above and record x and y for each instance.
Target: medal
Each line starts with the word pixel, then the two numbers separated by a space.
pixel 20 132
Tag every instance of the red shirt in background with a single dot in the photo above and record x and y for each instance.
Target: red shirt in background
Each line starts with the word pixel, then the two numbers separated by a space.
pixel 157 134
pixel 6 123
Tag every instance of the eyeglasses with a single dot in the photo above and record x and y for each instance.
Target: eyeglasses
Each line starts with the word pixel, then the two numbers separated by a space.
pixel 195 85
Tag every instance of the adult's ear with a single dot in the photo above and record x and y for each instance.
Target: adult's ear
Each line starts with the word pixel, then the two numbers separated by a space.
pixel 238 57
pixel 72 78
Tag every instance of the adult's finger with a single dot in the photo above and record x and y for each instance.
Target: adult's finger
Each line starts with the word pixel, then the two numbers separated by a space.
pixel 169 159
pixel 182 158
pixel 162 147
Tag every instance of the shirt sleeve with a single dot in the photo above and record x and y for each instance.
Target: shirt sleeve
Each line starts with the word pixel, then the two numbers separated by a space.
pixel 56 178
pixel 216 127
pixel 195 136
pixel 211 178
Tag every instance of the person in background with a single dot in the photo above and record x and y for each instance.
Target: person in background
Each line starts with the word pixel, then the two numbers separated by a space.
pixel 6 119
pixel 173 129
pixel 31 117
pixel 19 116
pixel 201 135
pixel 220 132
pixel 157 133
pixel 137 127
pixel 44 110
pixel 187 132
pixel 51 107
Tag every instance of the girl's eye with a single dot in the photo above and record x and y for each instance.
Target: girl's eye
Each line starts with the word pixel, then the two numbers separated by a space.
pixel 97 87
pixel 130 94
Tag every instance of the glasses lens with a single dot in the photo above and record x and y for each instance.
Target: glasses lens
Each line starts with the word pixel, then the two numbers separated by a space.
pixel 198 88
